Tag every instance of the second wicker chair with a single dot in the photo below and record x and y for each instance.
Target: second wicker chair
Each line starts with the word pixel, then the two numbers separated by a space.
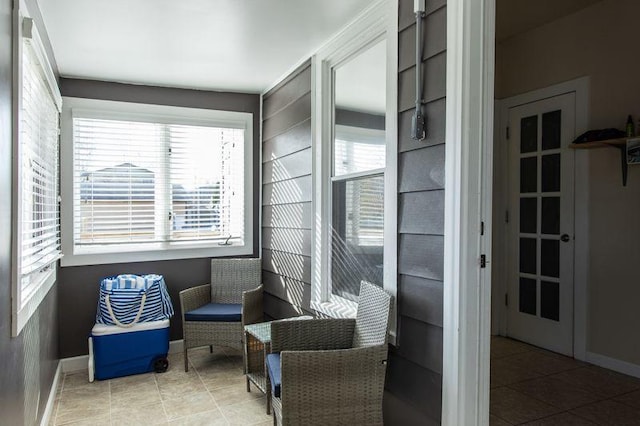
pixel 331 371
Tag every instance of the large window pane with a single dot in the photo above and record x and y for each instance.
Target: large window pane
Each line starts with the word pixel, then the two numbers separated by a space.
pixel 357 234
pixel 145 182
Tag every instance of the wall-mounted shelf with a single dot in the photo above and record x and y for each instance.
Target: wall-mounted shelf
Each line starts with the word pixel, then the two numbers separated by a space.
pixel 620 144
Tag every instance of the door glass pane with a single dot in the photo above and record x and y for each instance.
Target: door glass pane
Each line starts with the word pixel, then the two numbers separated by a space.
pixel 527 300
pixel 550 258
pixel 551 173
pixel 357 234
pixel 528 215
pixel 528 255
pixel 551 129
pixel 528 174
pixel 550 300
pixel 551 215
pixel 529 134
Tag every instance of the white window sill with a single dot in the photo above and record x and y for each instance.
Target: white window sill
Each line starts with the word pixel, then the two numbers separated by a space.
pixel 122 255
pixel 337 307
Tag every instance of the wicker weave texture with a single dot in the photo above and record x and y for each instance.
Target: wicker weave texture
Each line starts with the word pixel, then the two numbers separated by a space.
pixel 331 333
pixel 337 387
pixel 236 281
pixel 230 277
pixel 323 382
pixel 372 319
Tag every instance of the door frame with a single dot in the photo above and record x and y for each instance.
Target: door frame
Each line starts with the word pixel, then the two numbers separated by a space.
pixel 468 175
pixel 580 87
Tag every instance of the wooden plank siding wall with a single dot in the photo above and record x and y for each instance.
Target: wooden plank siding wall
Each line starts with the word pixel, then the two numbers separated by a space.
pixel 414 380
pixel 414 375
pixel 286 195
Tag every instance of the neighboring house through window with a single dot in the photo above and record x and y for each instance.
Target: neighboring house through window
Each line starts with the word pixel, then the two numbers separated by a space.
pixel 148 182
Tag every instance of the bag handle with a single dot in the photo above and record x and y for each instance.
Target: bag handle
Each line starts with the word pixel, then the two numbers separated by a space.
pixel 135 320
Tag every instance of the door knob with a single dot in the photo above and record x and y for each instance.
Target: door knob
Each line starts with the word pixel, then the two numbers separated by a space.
pixel 565 238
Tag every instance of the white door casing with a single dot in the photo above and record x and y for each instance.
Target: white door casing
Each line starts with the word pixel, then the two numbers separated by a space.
pixel 540 229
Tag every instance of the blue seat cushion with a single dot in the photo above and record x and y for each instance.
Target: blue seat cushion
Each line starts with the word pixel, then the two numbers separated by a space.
pixel 275 374
pixel 216 312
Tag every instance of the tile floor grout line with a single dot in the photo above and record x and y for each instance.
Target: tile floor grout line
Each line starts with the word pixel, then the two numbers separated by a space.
pixel 210 394
pixel 164 410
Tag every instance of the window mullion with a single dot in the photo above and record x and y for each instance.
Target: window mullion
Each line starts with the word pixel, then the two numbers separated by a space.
pixel 162 206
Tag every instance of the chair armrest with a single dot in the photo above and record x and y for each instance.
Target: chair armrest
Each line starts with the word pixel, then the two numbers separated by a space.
pixel 252 311
pixel 321 385
pixel 194 297
pixel 313 334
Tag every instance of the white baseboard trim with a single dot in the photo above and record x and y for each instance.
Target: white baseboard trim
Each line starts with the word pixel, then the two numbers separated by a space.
pixel 48 410
pixel 78 363
pixel 614 364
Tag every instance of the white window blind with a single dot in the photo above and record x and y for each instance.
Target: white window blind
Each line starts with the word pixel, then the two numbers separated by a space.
pixel 39 227
pixel 145 181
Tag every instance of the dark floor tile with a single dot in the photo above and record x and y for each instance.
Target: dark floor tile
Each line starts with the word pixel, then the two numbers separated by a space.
pixel 502 347
pixel 602 382
pixel 516 408
pixel 561 394
pixel 562 419
pixel 609 413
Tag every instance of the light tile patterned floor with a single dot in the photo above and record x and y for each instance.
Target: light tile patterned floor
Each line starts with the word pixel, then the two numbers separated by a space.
pixel 213 392
pixel 536 387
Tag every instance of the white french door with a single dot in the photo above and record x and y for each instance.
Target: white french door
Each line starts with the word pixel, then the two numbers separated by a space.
pixel 540 223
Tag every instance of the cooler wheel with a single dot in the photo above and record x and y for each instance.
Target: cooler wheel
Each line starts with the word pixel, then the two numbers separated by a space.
pixel 160 365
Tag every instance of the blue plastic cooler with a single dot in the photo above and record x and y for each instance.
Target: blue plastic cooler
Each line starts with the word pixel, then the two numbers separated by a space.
pixel 117 352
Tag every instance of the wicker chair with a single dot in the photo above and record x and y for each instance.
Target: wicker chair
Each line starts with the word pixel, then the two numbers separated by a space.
pixel 332 371
pixel 215 313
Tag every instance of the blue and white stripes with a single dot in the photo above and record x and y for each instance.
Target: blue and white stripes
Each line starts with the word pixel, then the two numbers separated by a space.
pixel 133 299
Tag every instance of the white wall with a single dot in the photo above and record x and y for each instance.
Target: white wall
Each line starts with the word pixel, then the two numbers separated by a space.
pixel 601 41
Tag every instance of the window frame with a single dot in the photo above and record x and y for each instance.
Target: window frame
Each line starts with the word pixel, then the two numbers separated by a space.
pixel 104 109
pixel 21 312
pixel 377 22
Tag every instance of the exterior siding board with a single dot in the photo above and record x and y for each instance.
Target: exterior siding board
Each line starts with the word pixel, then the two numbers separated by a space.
pixel 421 299
pixel 422 212
pixel 298 111
pixel 287 195
pixel 283 95
pixel 435 30
pixel 422 169
pixel 295 139
pixel 288 167
pixel 414 377
pixel 434 82
pixel 296 216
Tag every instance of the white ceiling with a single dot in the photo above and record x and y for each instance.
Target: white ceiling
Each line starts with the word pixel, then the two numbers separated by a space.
pixel 236 45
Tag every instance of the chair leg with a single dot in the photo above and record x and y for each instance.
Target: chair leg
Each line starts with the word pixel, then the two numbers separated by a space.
pixel 186 359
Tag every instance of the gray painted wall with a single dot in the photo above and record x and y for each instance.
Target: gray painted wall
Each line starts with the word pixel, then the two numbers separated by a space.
pixel 414 378
pixel 78 286
pixel 28 361
pixel 286 195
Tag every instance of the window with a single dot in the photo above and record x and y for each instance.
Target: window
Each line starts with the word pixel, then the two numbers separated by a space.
pixel 355 155
pixel 155 182
pixel 37 220
pixel 357 204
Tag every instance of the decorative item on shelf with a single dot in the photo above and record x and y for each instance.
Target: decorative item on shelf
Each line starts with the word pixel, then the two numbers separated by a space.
pixel 633 151
pixel 630 130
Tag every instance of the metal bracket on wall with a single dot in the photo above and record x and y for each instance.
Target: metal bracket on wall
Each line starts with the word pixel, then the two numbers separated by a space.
pixel 418 126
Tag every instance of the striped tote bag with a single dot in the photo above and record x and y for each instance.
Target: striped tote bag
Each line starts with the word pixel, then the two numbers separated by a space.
pixel 128 299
